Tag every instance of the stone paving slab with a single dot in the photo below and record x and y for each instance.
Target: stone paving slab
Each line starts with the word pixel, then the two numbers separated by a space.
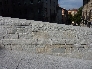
pixel 22 60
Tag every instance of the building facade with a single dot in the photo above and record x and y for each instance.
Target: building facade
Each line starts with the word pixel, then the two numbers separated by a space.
pixel 59 15
pixel 39 10
pixel 72 11
pixel 64 16
pixel 87 11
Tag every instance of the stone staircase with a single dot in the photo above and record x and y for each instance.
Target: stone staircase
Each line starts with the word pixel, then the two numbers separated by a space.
pixel 44 37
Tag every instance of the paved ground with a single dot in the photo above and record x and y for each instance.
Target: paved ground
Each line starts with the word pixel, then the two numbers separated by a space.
pixel 23 60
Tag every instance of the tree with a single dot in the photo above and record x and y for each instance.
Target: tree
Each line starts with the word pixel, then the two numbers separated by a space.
pixel 77 17
pixel 70 18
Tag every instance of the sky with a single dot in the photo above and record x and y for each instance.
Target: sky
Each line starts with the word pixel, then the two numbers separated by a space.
pixel 70 4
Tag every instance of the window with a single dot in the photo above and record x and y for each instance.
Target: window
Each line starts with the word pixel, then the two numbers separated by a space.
pixel 25 11
pixel 6 1
pixel 54 11
pixel 91 5
pixel 20 12
pixel 46 9
pixel 38 10
pixel 13 3
pixel 0 3
pixel 50 11
pixel 50 1
pixel 19 3
pixel 39 1
pixel 54 4
pixel 25 3
pixel 8 10
pixel 32 10
pixel 31 1
pixel 90 12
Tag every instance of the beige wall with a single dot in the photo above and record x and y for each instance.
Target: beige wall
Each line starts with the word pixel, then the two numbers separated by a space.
pixel 86 12
pixel 73 12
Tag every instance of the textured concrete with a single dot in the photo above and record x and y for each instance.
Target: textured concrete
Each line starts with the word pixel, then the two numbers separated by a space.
pixel 22 60
pixel 44 37
pixel 29 44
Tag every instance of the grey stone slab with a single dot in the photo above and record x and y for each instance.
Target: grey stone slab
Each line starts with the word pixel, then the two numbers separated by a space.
pixel 23 60
pixel 58 50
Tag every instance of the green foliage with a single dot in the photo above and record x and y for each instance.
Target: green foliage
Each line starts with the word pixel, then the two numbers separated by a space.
pixel 77 17
pixel 70 18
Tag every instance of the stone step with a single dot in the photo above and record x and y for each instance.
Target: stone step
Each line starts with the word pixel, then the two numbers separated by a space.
pixel 44 41
pixel 26 45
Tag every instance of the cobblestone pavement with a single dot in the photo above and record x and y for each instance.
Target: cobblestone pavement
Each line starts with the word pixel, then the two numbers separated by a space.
pixel 23 60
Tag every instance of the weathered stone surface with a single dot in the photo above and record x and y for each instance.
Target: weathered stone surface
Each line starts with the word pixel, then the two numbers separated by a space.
pixel 44 37
pixel 23 60
pixel 25 43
